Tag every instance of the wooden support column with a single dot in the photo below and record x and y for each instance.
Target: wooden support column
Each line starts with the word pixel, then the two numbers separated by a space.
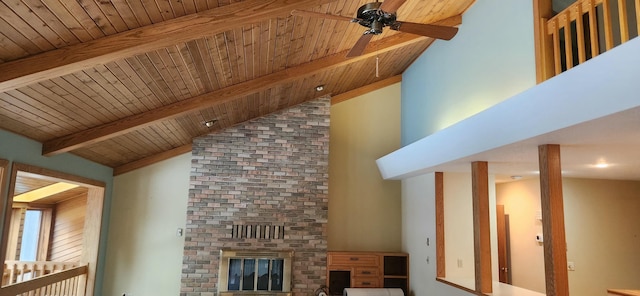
pixel 440 263
pixel 555 246
pixel 481 227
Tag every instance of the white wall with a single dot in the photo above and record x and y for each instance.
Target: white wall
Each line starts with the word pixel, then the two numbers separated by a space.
pixel 144 254
pixel 418 224
pixel 491 59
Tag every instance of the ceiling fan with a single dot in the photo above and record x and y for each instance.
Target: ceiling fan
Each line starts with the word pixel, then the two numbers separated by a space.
pixel 377 15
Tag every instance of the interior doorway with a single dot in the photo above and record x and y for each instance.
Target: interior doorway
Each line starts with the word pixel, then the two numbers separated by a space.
pixel 504 253
pixel 52 222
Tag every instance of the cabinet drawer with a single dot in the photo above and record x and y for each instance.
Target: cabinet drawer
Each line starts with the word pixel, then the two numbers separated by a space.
pixel 353 260
pixel 366 282
pixel 366 271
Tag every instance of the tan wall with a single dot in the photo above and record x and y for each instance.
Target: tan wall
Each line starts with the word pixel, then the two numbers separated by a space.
pixel 521 202
pixel 603 234
pixel 364 210
pixel 602 230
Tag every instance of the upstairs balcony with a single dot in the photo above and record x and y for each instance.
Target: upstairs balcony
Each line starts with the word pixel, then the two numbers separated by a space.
pixel 582 31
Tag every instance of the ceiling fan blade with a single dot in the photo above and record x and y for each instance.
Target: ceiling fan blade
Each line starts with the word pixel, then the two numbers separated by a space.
pixel 359 47
pixel 433 31
pixel 320 15
pixel 391 5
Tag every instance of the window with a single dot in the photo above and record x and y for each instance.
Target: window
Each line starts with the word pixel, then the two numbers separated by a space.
pixel 29 230
pixel 30 235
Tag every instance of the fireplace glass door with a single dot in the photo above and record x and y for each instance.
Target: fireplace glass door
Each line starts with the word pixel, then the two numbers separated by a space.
pixel 255 274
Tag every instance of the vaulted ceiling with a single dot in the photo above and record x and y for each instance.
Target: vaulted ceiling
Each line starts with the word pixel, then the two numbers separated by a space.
pixel 129 83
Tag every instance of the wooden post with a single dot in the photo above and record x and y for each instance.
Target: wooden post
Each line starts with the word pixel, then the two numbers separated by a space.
pixel 637 5
pixel 481 227
pixel 608 25
pixel 542 11
pixel 440 263
pixel 6 206
pixel 624 22
pixel 555 246
pixel 593 29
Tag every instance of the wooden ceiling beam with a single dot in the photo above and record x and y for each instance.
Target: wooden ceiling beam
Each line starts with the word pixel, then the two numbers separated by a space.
pixel 217 97
pixel 70 59
pixel 224 95
pixel 140 163
pixel 386 44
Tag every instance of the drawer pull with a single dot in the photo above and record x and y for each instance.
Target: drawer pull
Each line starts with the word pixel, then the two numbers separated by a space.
pixel 366 272
pixel 366 283
pixel 354 258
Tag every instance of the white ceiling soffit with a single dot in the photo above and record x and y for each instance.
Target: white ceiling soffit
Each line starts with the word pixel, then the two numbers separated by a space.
pixel 557 111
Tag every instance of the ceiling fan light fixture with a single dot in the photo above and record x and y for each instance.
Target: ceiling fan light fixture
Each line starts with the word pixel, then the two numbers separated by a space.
pixel 376 27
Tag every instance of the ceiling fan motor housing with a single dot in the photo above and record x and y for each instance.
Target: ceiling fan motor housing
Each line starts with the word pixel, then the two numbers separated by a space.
pixel 372 17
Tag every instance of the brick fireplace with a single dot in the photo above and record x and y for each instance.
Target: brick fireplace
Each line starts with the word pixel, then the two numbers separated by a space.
pixel 260 186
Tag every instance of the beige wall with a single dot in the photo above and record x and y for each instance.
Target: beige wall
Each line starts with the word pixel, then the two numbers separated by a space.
pixel 458 228
pixel 521 202
pixel 144 254
pixel 364 210
pixel 603 234
pixel 602 231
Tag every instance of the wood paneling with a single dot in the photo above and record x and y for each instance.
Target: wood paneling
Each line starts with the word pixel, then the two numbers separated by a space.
pixel 119 83
pixel 330 65
pixel 66 239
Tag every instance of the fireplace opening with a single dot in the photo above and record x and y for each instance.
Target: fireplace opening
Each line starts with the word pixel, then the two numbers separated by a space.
pixel 254 272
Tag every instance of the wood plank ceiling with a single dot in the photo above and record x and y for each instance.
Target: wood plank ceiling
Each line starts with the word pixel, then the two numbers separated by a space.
pixel 126 83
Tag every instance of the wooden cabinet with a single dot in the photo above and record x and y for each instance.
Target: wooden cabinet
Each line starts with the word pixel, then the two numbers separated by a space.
pixel 367 270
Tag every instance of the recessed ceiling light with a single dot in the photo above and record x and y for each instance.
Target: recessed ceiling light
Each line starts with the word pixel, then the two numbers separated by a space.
pixel 516 177
pixel 210 123
pixel 320 87
pixel 601 165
